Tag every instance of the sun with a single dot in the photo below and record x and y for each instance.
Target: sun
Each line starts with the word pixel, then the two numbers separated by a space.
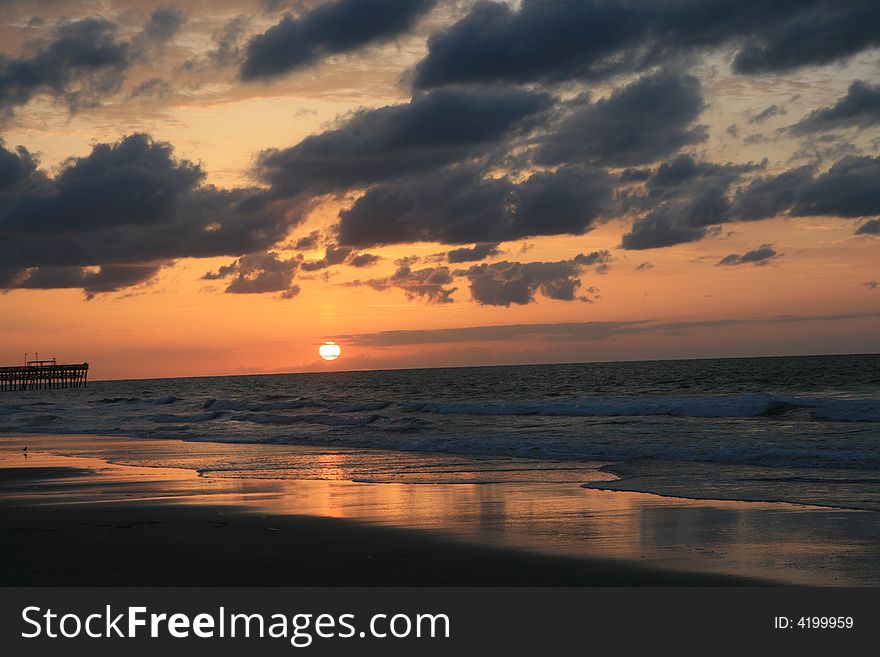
pixel 329 351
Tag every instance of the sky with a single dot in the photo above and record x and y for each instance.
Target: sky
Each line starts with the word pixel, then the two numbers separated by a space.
pixel 196 188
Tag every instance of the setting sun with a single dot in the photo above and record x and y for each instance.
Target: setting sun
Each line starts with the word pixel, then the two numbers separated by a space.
pixel 329 351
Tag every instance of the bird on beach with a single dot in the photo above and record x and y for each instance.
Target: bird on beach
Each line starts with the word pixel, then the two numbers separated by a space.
pixel 24 450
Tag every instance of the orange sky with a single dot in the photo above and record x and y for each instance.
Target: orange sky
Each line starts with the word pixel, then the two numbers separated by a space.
pixel 177 324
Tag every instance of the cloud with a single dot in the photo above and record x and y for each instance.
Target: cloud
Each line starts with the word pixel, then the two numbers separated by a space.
pixel 476 252
pixel 258 273
pixel 768 196
pixel 859 108
pixel 870 227
pixel 645 121
pixel 497 284
pixel 686 204
pixel 328 29
pixel 459 206
pixel 152 88
pixel 106 278
pixel 565 332
pixel 657 230
pixel 431 131
pixel 307 242
pixel 760 256
pixel 82 63
pixel 549 40
pixel 163 24
pixel 766 114
pixel 505 283
pixel 337 255
pixel 364 260
pixel 333 255
pixel 683 198
pixel 600 258
pixel 848 189
pixel 429 283
pixel 799 34
pixel 125 204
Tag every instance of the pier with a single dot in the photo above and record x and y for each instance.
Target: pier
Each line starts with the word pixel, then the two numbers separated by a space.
pixel 43 374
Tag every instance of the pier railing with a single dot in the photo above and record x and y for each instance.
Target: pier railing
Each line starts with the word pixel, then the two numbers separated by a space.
pixel 43 375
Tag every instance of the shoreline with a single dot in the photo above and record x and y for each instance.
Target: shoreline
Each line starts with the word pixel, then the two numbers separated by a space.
pixel 72 490
pixel 117 542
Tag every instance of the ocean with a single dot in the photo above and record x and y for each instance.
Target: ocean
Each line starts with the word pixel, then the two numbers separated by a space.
pixel 796 429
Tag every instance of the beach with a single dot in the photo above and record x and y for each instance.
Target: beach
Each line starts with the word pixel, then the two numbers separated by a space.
pixel 74 513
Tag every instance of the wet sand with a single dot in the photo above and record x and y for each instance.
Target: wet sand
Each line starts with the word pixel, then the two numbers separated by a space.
pixel 71 517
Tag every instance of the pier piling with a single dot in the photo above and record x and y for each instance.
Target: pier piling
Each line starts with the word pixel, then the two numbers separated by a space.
pixel 43 374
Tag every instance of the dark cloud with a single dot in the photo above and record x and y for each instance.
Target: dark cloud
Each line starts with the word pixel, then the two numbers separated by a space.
pixel 81 63
pixel 760 256
pixel 497 284
pixel 163 24
pixel 683 175
pixel 107 278
pixel 860 107
pixel 18 173
pixel 683 198
pixel 645 121
pixel 132 182
pixel 130 203
pixel 602 257
pixel 429 283
pixel 430 131
pixel 870 227
pixel 848 189
pixel 152 88
pixel 657 229
pixel 633 175
pixel 559 39
pixel 687 204
pixel 333 255
pixel 460 206
pixel 258 273
pixel 364 260
pixel 768 196
pixel 788 35
pixel 505 283
pixel 308 242
pixel 473 253
pixel 767 113
pixel 330 28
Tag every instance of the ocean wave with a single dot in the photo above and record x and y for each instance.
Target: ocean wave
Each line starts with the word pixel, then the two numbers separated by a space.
pixel 8 409
pixel 357 407
pixel 293 405
pixel 232 405
pixel 714 406
pixel 161 401
pixel 308 418
pixel 847 410
pixel 196 417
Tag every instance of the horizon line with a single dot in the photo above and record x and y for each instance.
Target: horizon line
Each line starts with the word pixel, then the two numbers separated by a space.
pixel 495 365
